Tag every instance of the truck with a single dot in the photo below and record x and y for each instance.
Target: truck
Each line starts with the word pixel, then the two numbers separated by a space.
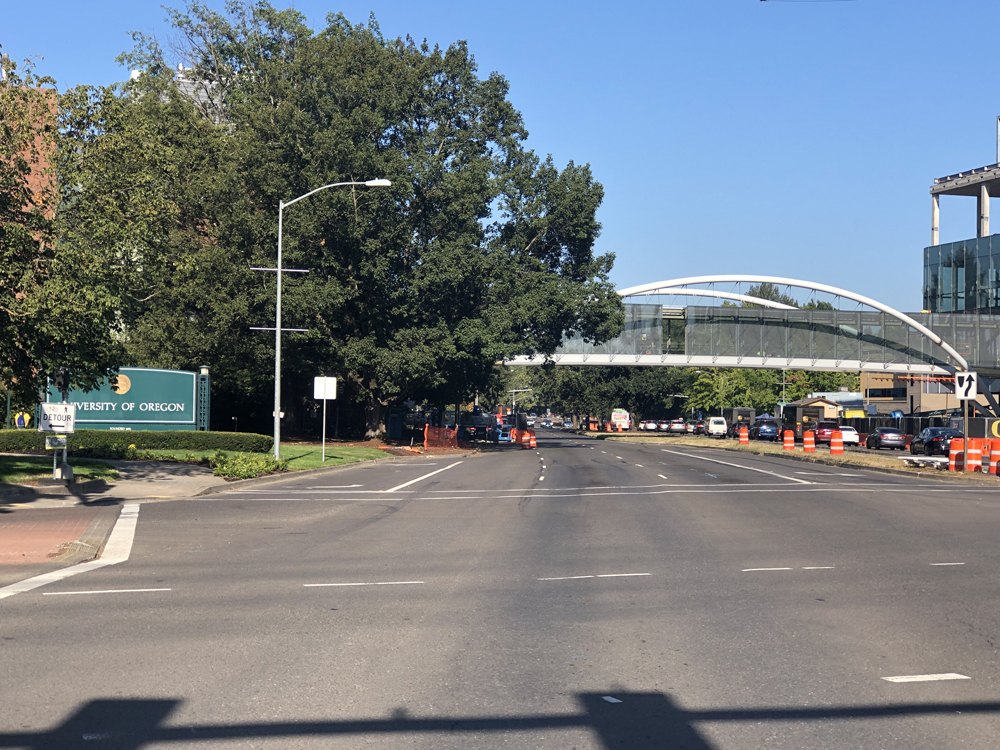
pixel 621 418
pixel 737 417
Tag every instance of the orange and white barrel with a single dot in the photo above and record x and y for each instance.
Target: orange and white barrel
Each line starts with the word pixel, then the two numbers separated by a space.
pixel 526 440
pixel 809 441
pixel 744 436
pixel 994 460
pixel 836 443
pixel 956 455
pixel 532 443
pixel 789 438
pixel 975 455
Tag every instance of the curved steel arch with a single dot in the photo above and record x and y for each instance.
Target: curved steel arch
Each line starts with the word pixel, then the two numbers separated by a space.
pixel 738 278
pixel 726 295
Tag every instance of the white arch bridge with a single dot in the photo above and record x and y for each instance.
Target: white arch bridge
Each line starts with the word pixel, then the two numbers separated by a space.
pixel 873 337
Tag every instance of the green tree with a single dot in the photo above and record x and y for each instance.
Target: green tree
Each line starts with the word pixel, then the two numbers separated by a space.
pixel 58 302
pixel 479 251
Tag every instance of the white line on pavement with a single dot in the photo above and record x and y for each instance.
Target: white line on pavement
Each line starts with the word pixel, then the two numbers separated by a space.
pixel 375 583
pixel 661 476
pixel 820 567
pixel 108 591
pixel 116 550
pixel 541 478
pixel 622 575
pixel 739 466
pixel 564 578
pixel 947 563
pixel 826 474
pixel 752 570
pixel 334 486
pixel 425 476
pixel 927 677
pixel 639 465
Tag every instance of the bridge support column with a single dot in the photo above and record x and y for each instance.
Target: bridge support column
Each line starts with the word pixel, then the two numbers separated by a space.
pixel 983 230
pixel 935 218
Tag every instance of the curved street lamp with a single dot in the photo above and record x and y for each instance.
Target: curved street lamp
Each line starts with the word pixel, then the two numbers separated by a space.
pixel 277 310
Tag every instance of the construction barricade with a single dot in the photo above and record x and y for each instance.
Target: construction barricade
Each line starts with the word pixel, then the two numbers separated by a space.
pixel 809 441
pixel 440 437
pixel 789 438
pixel 975 462
pixel 744 436
pixel 991 457
pixel 956 455
pixel 526 440
pixel 836 443
pixel 532 443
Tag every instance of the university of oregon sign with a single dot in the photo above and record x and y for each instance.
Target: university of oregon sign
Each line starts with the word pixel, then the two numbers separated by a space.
pixel 143 399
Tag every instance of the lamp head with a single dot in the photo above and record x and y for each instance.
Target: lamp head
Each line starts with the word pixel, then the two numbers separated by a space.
pixel 378 183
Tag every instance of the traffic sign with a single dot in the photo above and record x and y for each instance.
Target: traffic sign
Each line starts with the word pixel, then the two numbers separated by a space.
pixel 966 386
pixel 59 418
pixel 52 443
pixel 325 388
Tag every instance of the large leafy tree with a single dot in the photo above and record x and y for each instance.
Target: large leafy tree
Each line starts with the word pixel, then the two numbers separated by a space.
pixel 58 301
pixel 479 251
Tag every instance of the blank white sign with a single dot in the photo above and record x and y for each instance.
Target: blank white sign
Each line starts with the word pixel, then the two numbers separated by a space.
pixel 324 389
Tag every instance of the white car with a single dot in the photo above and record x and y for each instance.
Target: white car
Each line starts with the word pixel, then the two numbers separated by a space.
pixel 851 436
pixel 716 427
pixel 648 426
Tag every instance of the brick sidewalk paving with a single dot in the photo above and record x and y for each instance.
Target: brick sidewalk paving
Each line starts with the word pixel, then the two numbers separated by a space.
pixel 36 536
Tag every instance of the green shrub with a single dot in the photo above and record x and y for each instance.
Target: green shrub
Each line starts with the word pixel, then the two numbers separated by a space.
pixel 115 444
pixel 245 465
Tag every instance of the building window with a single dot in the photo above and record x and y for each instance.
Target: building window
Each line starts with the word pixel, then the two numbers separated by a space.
pixel 937 386
pixel 886 393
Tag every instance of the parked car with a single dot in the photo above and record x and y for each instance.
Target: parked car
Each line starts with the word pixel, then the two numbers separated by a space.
pixel 478 427
pixel 934 440
pixel 678 427
pixel 716 427
pixel 663 425
pixel 699 427
pixel 850 435
pixel 824 431
pixel 886 437
pixel 568 424
pixel 765 429
pixel 647 425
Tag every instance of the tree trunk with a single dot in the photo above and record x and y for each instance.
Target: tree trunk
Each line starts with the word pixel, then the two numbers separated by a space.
pixel 374 429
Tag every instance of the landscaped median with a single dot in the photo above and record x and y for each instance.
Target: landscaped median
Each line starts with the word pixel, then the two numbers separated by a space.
pixel 867 459
pixel 232 455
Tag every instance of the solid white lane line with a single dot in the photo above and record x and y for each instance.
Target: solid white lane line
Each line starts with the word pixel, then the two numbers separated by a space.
pixel 622 575
pixel 661 476
pixel 313 492
pixel 109 591
pixel 947 563
pixel 739 466
pixel 927 677
pixel 425 476
pixel 374 583
pixel 116 550
pixel 820 567
pixel 335 486
pixel 751 570
pixel 564 578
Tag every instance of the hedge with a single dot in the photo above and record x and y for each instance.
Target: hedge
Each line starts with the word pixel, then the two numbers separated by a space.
pixel 107 443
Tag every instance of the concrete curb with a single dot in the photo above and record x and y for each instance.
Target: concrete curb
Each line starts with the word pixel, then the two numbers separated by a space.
pixel 291 475
pixel 59 490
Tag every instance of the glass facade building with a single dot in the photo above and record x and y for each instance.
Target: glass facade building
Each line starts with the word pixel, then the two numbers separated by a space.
pixel 963 277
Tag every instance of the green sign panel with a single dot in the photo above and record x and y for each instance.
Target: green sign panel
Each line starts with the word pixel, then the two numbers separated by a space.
pixel 141 399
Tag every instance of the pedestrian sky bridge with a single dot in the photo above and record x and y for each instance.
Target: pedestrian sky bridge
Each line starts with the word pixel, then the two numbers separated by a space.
pixel 871 337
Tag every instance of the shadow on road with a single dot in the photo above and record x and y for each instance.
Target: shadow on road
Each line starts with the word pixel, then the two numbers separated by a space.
pixel 640 721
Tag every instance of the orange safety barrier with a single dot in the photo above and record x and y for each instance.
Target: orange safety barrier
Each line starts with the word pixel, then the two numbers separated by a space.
pixel 533 444
pixel 809 441
pixel 956 455
pixel 526 440
pixel 975 462
pixel 990 467
pixel 744 436
pixel 789 438
pixel 440 437
pixel 836 443
pixel 909 439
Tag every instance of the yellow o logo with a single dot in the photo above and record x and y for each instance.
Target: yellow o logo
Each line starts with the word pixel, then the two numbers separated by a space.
pixel 995 428
pixel 122 385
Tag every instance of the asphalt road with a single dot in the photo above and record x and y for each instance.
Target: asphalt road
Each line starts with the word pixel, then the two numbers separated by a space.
pixel 718 600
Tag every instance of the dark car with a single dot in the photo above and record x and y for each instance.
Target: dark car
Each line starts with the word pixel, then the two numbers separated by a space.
pixel 886 437
pixel 934 440
pixel 478 427
pixel 824 431
pixel 765 430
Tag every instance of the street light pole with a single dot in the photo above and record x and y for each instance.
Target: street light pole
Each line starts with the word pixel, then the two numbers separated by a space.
pixel 277 312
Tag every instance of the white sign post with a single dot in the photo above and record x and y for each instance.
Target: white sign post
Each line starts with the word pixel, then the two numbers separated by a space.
pixel 58 419
pixel 324 389
pixel 966 390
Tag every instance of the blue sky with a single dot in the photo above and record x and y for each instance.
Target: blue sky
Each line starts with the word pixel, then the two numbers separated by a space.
pixel 732 136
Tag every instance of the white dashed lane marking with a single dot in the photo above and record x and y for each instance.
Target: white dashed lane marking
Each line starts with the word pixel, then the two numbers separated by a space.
pixel 947 563
pixel 108 591
pixel 375 583
pixel 927 677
